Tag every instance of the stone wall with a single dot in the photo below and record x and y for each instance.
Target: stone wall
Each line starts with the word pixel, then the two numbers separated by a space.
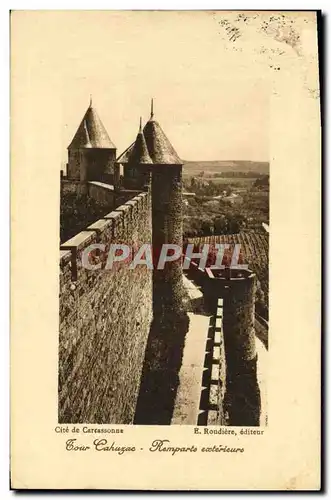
pixel 104 322
pixel 164 351
pixel 69 186
pixel 242 398
pixel 78 209
pixel 239 319
pixel 231 299
pixel 100 163
pixel 101 192
pixel 73 168
pixel 124 195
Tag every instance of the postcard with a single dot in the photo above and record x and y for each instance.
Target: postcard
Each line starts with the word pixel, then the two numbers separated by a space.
pixel 166 234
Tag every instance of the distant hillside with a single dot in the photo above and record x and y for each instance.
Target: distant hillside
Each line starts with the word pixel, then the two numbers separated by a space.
pixel 213 167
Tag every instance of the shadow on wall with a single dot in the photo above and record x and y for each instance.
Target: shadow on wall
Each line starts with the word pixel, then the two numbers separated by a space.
pixel 242 398
pixel 79 211
pixel 160 375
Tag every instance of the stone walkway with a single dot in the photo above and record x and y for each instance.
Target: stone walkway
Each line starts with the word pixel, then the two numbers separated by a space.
pixel 187 404
pixel 190 376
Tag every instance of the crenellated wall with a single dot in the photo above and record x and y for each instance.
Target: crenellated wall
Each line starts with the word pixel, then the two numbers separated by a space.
pixel 231 299
pixel 104 321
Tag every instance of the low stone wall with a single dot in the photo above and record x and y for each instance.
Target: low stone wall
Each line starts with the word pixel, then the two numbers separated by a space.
pixel 101 192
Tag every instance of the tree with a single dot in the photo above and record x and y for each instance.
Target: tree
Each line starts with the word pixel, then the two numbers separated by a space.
pixel 207 227
pixel 262 182
pixel 220 225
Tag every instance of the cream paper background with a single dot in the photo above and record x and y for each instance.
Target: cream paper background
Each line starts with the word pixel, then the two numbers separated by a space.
pixel 287 456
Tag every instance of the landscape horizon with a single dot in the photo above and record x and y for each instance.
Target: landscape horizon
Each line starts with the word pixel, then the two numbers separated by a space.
pixel 260 167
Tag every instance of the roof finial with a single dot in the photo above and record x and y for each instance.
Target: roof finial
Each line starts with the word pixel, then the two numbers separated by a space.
pixel 152 108
pixel 140 125
pixel 90 100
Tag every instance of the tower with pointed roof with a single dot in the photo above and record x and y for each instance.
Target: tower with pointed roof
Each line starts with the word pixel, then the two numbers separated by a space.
pixel 91 153
pixel 152 161
pixel 167 219
pixel 138 169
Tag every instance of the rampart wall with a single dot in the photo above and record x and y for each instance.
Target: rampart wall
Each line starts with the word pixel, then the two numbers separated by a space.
pixel 104 321
pixel 69 186
pixel 232 300
pixel 99 191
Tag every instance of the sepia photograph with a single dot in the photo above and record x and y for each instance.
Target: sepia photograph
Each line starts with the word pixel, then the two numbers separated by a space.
pixel 166 169
pixel 164 235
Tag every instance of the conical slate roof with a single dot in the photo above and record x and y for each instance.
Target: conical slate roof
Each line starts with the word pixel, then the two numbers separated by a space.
pixel 95 130
pixel 139 153
pixel 159 147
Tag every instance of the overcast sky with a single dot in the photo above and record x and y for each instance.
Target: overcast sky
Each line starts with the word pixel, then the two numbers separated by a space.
pixel 212 94
pixel 206 101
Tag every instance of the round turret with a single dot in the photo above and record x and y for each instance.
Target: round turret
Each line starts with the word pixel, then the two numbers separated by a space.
pixel 100 157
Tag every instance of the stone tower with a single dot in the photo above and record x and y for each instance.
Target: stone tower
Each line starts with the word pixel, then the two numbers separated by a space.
pixel 237 287
pixel 166 218
pixel 236 312
pixel 164 350
pixel 152 157
pixel 83 157
pixel 99 160
pixel 139 163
